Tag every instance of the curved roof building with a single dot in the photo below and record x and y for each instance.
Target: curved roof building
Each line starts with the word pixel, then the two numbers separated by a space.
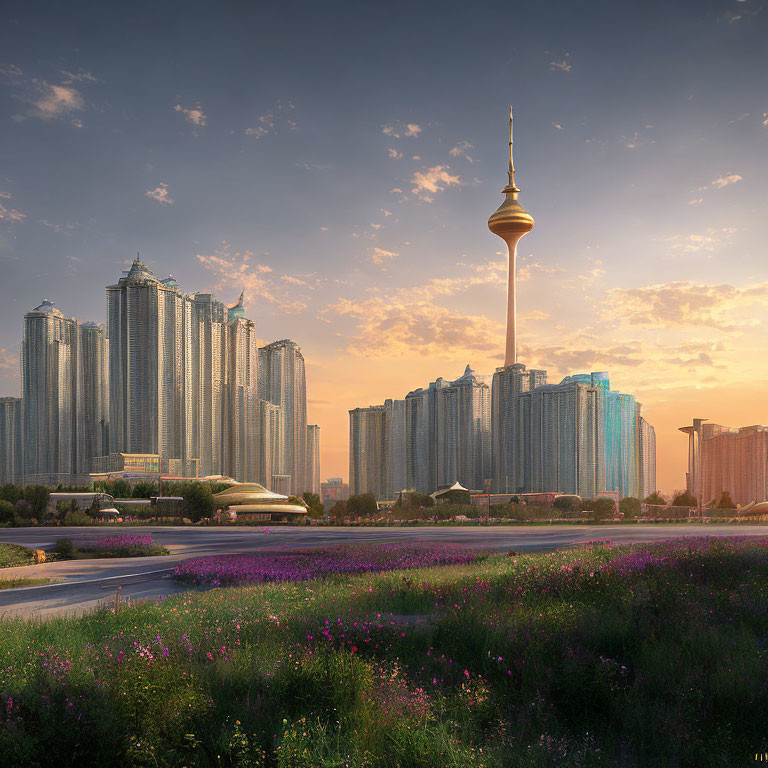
pixel 252 498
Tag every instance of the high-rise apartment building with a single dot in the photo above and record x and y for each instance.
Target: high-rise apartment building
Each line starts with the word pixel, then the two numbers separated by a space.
pixel 646 437
pixel 395 448
pixel 49 393
pixel 271 457
pixel 282 381
pixel 92 396
pixel 149 326
pixel 313 458
pixel 242 417
pixel 367 451
pixel 727 459
pixel 11 441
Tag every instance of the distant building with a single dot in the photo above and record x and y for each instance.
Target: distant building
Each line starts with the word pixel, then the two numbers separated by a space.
pixel 646 458
pixel 332 490
pixel 136 467
pixel 282 381
pixel 313 458
pixel 49 394
pixel 271 457
pixel 11 441
pixel 367 451
pixel 92 396
pixel 727 459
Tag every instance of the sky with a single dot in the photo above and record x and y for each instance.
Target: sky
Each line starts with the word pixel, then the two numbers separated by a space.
pixel 339 162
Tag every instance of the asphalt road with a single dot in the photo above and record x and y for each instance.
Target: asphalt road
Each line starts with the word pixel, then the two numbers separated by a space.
pixel 86 584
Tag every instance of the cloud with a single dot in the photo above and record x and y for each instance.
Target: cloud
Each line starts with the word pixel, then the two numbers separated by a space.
pixel 396 130
pixel 46 101
pixel 9 364
pixel 765 119
pixel 561 66
pixel 558 126
pixel 696 201
pixel 428 182
pixel 461 149
pixel 529 271
pixel 193 115
pixel 272 120
pixel 708 242
pixel 380 256
pixel 77 77
pixel 394 154
pixel 160 193
pixel 571 358
pixel 393 327
pixel 237 270
pixel 10 214
pixel 725 181
pixel 668 305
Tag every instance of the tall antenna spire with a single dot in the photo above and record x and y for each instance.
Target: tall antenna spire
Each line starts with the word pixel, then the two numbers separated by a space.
pixel 511 170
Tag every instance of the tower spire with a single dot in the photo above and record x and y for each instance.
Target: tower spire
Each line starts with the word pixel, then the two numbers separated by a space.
pixel 511 170
pixel 510 222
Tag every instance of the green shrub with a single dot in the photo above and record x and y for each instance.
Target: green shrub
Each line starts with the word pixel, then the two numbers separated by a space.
pixel 65 548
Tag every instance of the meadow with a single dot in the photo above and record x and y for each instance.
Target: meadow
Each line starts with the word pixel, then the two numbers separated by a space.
pixel 638 655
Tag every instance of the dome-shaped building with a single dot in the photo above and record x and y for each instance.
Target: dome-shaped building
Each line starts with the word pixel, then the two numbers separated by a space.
pixel 253 501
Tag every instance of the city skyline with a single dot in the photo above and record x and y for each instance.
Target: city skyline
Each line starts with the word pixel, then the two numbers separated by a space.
pixel 357 228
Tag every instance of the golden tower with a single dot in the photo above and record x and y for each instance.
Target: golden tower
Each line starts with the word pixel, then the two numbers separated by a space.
pixel 510 222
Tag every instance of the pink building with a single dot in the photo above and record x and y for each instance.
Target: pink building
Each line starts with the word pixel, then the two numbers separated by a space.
pixel 727 459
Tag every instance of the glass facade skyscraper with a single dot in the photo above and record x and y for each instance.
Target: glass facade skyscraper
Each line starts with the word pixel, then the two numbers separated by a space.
pixel 11 441
pixel 282 381
pixel 92 396
pixel 49 394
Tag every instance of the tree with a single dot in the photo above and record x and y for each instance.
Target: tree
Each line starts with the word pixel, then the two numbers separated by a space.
pixel 568 503
pixel 655 499
pixel 685 499
pixel 416 499
pixel 198 501
pixel 362 504
pixel 312 500
pixel 38 497
pixel 120 489
pixel 630 507
pixel 6 512
pixel 11 493
pixel 145 490
pixel 726 502
pixel 604 508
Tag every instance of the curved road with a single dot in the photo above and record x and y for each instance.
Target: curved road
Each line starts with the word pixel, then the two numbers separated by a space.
pixel 85 584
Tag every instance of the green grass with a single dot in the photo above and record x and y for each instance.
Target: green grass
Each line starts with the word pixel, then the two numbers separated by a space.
pixel 595 657
pixel 14 554
pixel 16 583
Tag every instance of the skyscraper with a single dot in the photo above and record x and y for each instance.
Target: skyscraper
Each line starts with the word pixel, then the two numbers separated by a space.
pixel 242 418
pixel 507 435
pixel 313 458
pixel 149 326
pixel 49 394
pixel 646 458
pixel 395 448
pixel 206 427
pixel 92 396
pixel 463 432
pixel 367 451
pixel 510 222
pixel 270 457
pixel 11 441
pixel 282 381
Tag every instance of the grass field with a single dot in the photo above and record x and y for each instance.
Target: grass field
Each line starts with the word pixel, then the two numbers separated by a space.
pixel 22 582
pixel 651 655
pixel 14 554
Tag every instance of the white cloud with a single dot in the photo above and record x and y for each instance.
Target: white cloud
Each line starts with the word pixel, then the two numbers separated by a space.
pixel 397 129
pixel 412 129
pixel 725 181
pixel 696 201
pixel 10 214
pixel 461 149
pixel 77 77
pixel 561 66
pixel 394 154
pixel 53 101
pixel 193 115
pixel 558 126
pixel 428 182
pixel 271 121
pixel 160 193
pixel 765 119
pixel 708 241
pixel 380 256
